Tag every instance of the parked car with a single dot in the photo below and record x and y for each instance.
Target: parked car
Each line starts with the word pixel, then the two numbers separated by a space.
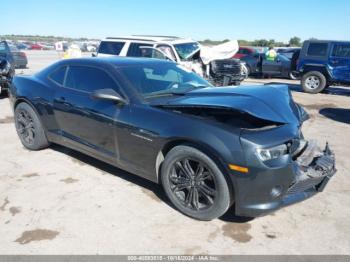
pixel 324 63
pixel 12 55
pixel 245 51
pixel 5 52
pixel 208 147
pixel 22 46
pixel 35 47
pixel 186 52
pixel 6 75
pixel 258 65
pixel 19 57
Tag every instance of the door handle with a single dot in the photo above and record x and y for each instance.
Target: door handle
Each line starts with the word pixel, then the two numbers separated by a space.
pixel 61 99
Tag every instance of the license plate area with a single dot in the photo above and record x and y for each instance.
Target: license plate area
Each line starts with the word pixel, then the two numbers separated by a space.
pixel 314 168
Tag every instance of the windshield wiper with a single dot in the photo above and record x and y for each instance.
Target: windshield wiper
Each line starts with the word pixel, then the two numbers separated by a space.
pixel 175 92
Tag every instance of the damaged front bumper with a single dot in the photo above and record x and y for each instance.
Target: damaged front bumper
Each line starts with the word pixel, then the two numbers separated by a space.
pixel 306 175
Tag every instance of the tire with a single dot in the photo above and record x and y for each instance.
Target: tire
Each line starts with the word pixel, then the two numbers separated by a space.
pixel 29 128
pixel 246 70
pixel 313 82
pixel 292 76
pixel 209 187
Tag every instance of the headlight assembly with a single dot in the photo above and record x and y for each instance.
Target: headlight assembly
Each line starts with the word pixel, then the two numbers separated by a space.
pixel 265 154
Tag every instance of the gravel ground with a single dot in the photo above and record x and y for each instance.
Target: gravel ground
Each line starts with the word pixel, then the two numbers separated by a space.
pixel 58 201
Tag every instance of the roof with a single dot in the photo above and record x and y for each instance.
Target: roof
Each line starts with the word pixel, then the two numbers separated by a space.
pixel 326 41
pixel 151 38
pixel 115 60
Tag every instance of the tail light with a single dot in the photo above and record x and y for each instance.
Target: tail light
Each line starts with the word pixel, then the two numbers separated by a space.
pixel 22 54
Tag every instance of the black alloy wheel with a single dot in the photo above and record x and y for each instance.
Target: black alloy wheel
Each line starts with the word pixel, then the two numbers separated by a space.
pixel 29 128
pixel 193 184
pixel 25 127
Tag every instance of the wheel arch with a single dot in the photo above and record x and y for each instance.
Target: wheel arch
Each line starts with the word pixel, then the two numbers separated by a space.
pixel 321 68
pixel 206 149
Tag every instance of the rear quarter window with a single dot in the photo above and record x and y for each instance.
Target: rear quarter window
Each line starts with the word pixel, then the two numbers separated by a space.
pixel 341 50
pixel 111 48
pixel 58 75
pixel 317 49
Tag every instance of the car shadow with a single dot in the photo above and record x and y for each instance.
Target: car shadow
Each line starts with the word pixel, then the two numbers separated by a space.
pixel 102 166
pixel 336 114
pixel 139 181
pixel 230 216
pixel 333 90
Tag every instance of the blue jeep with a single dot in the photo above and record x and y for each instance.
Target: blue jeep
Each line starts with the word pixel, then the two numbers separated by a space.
pixel 324 63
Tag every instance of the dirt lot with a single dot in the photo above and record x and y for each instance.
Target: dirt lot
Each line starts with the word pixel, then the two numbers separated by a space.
pixel 57 201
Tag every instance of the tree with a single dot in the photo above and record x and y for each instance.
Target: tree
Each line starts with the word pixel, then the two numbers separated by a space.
pixel 295 41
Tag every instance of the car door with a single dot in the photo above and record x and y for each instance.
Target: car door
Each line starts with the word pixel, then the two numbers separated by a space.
pixel 340 62
pixel 86 123
pixel 272 67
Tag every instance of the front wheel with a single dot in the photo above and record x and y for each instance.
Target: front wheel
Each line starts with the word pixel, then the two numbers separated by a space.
pixel 313 82
pixel 194 183
pixel 293 76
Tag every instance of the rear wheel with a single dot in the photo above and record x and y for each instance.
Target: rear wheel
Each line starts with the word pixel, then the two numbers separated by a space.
pixel 313 82
pixel 29 128
pixel 195 184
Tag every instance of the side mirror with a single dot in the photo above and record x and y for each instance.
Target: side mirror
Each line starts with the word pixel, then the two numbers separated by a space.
pixel 93 54
pixel 108 94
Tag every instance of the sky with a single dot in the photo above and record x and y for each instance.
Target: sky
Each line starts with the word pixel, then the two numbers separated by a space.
pixel 198 19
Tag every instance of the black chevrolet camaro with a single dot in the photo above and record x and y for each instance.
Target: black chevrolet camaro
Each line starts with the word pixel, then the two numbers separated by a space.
pixel 209 147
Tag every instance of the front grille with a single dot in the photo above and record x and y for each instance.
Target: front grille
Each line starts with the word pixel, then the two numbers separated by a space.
pixel 304 185
pixel 226 66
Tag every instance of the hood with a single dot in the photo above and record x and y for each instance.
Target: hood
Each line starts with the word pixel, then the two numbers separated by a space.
pixel 223 51
pixel 273 102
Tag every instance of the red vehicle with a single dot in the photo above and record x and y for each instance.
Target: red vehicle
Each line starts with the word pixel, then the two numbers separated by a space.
pixel 36 47
pixel 244 51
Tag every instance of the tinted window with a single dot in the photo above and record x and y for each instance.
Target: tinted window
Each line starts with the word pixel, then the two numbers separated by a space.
pixel 111 48
pixel 88 79
pixel 58 75
pixel 134 49
pixel 317 49
pixel 341 50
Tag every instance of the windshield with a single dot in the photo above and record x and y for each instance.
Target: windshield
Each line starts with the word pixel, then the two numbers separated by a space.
pixel 159 79
pixel 186 50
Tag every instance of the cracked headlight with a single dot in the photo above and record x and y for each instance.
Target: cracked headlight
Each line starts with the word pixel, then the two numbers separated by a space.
pixel 265 154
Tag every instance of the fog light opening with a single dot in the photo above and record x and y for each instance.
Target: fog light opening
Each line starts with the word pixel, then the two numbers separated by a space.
pixel 276 191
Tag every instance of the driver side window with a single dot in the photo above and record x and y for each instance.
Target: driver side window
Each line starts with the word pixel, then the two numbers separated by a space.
pixel 88 79
pixel 166 49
